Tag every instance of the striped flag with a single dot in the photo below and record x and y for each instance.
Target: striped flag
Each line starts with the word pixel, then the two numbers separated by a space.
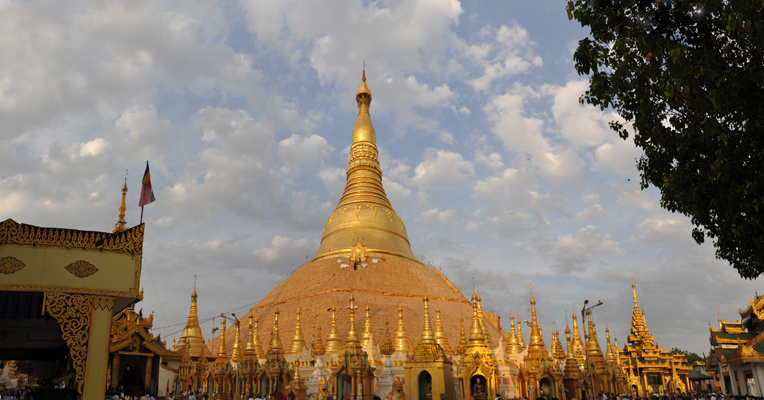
pixel 147 193
pixel 347 389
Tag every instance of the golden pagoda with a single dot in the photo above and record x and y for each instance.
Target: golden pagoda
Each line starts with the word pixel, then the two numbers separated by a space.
pixel 318 348
pixel 365 251
pixel 462 347
pixel 557 352
pixel 578 345
pixel 236 350
pixel 513 343
pixel 297 346
pixel 192 333
pixel 366 335
pixel 440 334
pixel 333 342
pixel 402 341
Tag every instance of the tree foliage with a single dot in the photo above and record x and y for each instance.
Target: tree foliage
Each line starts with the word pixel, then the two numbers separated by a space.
pixel 691 357
pixel 687 78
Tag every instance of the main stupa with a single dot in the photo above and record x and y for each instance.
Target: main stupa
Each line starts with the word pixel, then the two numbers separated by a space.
pixel 364 251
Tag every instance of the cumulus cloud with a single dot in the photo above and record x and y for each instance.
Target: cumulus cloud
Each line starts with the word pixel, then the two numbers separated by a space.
pixel 298 151
pixel 594 212
pixel 506 55
pixel 574 253
pixel 441 168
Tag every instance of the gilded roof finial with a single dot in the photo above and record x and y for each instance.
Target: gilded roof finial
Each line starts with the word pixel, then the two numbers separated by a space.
pixel 222 352
pixel 578 345
pixel 557 351
pixel 477 337
pixel 440 334
pixel 120 226
pixel 609 352
pixel 297 345
pixel 387 348
pixel 513 344
pixel 250 350
pixel 352 333
pixel 520 334
pixel 275 339
pixel 634 292
pixel 333 341
pixel 427 334
pixel 486 334
pixel 366 335
pixel 462 347
pixel 258 346
pixel 173 343
pixel 192 333
pixel 236 345
pixel 536 338
pixel 402 341
pixel 318 346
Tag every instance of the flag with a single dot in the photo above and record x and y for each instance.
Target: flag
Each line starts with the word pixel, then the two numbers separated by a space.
pixel 347 389
pixel 278 392
pixel 147 194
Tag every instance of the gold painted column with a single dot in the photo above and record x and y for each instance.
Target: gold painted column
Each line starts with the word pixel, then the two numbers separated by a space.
pixel 115 371
pixel 147 381
pixel 93 387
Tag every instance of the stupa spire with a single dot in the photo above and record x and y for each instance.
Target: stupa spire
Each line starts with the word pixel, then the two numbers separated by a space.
pixel 513 344
pixel 333 341
pixel 373 217
pixel 428 336
pixel 275 339
pixel 402 340
pixel 222 352
pixel 440 334
pixel 486 334
pixel 388 348
pixel 352 333
pixel 121 223
pixel 477 337
pixel 192 333
pixel 249 349
pixel 258 346
pixel 536 338
pixel 236 350
pixel 578 345
pixel 462 347
pixel 366 335
pixel 298 340
pixel 318 346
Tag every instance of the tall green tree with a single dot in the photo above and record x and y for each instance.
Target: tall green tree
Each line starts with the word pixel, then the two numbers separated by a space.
pixel 687 78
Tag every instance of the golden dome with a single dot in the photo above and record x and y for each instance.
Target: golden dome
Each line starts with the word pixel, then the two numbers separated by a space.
pixel 364 214
pixel 192 333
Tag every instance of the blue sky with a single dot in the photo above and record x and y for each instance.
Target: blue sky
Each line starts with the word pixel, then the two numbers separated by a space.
pixel 245 110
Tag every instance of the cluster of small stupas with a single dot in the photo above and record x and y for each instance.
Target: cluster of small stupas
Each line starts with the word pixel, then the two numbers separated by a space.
pixel 365 260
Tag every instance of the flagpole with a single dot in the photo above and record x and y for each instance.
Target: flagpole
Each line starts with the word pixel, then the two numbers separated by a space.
pixel 141 216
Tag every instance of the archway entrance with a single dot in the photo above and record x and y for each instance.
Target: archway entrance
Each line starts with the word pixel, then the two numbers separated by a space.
pixel 424 386
pixel 478 387
pixel 546 388
pixel 634 391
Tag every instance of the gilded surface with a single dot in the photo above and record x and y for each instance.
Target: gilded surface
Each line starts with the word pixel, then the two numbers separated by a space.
pixel 9 265
pixel 81 269
pixel 72 312
pixel 129 241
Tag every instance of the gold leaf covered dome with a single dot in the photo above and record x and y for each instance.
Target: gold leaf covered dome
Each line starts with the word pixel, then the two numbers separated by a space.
pixel 364 214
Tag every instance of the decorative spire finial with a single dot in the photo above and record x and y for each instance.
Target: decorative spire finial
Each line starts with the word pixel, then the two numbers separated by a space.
pixel 333 341
pixel 120 226
pixel 402 341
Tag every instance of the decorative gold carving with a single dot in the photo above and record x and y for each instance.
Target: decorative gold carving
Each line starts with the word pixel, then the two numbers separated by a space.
pixel 72 312
pixel 9 265
pixel 81 269
pixel 358 251
pixel 129 241
pixel 103 303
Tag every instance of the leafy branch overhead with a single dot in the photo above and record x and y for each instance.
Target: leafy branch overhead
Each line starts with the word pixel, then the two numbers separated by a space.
pixel 687 79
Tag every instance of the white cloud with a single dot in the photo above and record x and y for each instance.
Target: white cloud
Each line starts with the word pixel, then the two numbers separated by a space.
pixel 441 168
pixel 665 229
pixel 298 151
pixel 618 156
pixel 93 148
pixel 574 253
pixel 511 55
pixel 492 160
pixel 580 125
pixel 594 212
pixel 280 248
